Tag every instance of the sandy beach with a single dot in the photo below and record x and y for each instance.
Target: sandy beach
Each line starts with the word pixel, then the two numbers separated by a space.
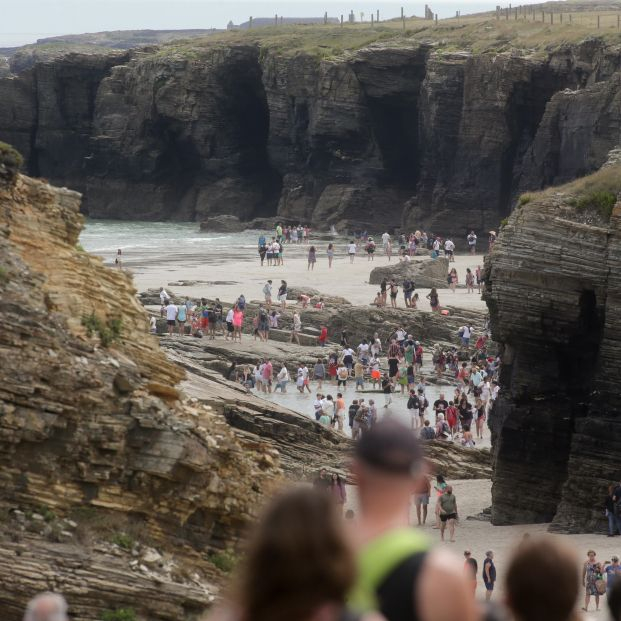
pixel 228 265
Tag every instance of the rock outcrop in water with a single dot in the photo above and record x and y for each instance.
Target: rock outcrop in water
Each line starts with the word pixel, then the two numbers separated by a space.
pixel 114 489
pixel 553 289
pixel 397 133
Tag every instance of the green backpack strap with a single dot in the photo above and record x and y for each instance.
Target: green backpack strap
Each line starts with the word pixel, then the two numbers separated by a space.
pixel 377 560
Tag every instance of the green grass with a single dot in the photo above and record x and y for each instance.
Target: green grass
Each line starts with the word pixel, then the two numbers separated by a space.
pixel 601 201
pixel 224 561
pixel 120 614
pixel 124 541
pixel 108 331
pixel 596 193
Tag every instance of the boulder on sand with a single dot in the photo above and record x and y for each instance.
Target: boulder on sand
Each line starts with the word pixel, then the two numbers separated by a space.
pixel 425 273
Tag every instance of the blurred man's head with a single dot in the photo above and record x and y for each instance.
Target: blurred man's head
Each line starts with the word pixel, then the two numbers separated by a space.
pixel 46 607
pixel 529 595
pixel 387 463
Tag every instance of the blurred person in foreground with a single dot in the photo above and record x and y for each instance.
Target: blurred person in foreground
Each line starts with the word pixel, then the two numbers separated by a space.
pixel 398 574
pixel 46 607
pixel 543 582
pixel 299 566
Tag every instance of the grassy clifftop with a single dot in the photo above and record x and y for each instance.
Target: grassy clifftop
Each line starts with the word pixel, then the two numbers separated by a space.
pixel 535 29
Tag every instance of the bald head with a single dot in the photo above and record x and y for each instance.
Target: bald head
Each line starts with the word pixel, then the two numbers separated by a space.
pixel 46 607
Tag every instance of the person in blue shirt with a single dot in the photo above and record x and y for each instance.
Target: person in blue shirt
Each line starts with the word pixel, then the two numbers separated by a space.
pixel 613 572
pixel 489 574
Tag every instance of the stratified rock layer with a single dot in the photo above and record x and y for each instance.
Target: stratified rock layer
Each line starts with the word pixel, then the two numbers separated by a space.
pixel 553 289
pixel 94 421
pixel 396 133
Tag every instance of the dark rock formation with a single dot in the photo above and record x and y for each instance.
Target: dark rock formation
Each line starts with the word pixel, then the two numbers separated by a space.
pixel 552 287
pixel 425 273
pixel 394 133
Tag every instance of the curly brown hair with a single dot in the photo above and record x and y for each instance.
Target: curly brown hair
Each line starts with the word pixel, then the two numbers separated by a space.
pixel 298 561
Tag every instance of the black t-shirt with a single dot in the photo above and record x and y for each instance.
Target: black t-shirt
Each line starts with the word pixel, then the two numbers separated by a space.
pixel 473 567
pixel 386 386
pixel 413 403
pixel 440 405
pixel 492 570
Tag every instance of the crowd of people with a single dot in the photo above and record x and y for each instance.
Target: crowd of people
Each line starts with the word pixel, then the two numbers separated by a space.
pixel 311 560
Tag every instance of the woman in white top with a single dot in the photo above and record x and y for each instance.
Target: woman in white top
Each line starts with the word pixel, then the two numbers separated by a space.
pixel 281 379
pixel 351 250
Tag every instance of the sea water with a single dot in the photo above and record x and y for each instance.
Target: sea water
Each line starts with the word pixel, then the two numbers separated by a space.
pixel 148 243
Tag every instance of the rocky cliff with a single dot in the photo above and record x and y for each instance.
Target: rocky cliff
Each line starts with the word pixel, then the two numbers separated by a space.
pixel 408 132
pixel 553 290
pixel 114 489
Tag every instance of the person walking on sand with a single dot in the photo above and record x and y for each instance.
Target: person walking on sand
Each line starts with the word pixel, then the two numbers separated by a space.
pixel 591 572
pixel 479 277
pixel 469 281
pixel 489 574
pixel 330 253
pixel 422 491
pixel 471 570
pixel 448 513
pixel 312 258
pixel 434 300
pixel 453 279
pixel 296 329
pixel 351 250
pixel 472 242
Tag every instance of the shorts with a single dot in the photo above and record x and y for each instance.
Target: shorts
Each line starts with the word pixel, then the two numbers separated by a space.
pixel 359 381
pixel 282 298
pixel 444 517
pixel 421 499
pixel 181 322
pixel 342 382
pixel 229 326
pixel 171 322
pixel 393 296
pixel 489 586
pixel 204 322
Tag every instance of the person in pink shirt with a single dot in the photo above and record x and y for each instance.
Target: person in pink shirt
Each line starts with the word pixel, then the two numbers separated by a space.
pixel 238 320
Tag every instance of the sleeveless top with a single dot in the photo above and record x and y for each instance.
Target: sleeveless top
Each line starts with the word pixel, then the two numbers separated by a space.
pixel 388 568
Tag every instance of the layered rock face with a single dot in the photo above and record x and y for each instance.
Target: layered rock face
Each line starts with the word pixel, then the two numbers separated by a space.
pixel 91 425
pixel 552 287
pixel 399 134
